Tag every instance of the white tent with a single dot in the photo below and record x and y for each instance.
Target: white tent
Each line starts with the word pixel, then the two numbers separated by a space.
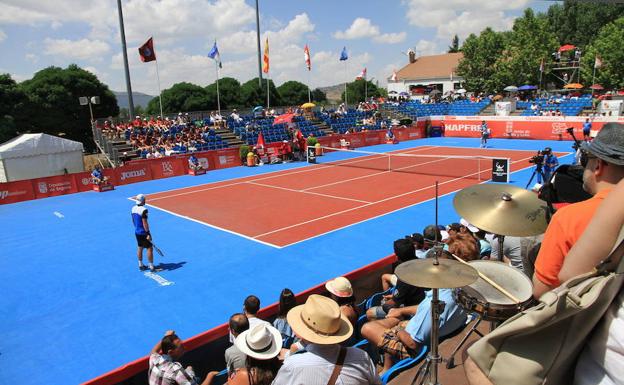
pixel 39 155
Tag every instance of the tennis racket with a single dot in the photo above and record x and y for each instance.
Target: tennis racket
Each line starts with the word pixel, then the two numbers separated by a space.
pixel 158 250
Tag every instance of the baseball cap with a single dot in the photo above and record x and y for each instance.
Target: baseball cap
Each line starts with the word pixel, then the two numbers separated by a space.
pixel 140 199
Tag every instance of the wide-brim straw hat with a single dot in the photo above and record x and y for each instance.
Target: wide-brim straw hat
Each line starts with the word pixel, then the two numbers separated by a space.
pixel 262 341
pixel 340 287
pixel 320 321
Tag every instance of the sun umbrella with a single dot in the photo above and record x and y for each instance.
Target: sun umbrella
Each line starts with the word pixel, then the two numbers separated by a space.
pixel 597 87
pixel 461 91
pixel 566 47
pixel 392 93
pixel 258 108
pixel 404 93
pixel 573 86
pixel 308 105
pixel 526 87
pixel 511 88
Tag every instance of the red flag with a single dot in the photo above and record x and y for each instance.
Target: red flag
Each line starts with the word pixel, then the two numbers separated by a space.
pixel 147 51
pixel 306 54
pixel 265 59
pixel 284 118
pixel 260 143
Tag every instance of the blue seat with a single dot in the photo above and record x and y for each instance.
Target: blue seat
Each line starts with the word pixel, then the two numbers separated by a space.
pixel 403 365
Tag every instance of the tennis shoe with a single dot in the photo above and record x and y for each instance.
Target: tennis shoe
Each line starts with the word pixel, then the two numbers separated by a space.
pixel 142 268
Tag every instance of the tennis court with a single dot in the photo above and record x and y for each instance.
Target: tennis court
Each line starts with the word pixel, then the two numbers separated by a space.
pixel 343 188
pixel 75 305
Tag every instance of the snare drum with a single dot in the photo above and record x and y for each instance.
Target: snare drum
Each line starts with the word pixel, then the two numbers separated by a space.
pixel 485 299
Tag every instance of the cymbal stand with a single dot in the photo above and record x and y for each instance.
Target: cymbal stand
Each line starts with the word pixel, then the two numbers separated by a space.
pixel 450 363
pixel 429 370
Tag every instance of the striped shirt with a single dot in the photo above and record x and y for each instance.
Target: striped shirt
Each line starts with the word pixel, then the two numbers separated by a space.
pixel 315 366
pixel 164 371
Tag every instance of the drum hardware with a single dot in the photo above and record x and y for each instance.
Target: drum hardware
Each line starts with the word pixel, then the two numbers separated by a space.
pixel 490 305
pixel 435 273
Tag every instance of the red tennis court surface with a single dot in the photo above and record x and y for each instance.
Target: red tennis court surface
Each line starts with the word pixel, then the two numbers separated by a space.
pixel 286 207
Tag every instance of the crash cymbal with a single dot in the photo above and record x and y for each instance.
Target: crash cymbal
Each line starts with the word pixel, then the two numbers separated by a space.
pixel 502 209
pixel 446 274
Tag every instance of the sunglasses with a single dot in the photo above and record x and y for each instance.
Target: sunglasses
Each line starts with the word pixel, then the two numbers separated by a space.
pixel 585 157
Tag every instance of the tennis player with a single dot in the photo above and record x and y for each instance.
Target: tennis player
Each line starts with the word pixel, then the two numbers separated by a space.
pixel 142 233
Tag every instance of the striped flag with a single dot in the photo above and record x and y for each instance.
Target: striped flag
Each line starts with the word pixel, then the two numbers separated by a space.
pixel 265 57
pixel 362 75
pixel 394 76
pixel 306 54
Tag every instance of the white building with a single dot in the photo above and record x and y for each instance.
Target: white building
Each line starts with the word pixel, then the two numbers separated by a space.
pixel 426 73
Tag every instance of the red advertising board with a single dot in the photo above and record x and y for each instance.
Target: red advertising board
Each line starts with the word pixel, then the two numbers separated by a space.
pixel 133 172
pixel 83 181
pixel 227 157
pixel 12 192
pixel 54 185
pixel 167 167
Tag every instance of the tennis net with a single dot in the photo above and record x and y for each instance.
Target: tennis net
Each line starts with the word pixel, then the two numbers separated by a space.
pixel 458 166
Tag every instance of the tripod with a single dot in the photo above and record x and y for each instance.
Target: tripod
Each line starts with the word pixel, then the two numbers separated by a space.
pixel 539 170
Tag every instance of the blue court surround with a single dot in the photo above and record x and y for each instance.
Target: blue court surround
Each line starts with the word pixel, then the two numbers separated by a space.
pixel 75 306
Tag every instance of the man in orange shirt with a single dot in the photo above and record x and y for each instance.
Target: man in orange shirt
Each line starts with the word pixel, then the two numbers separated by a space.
pixel 603 160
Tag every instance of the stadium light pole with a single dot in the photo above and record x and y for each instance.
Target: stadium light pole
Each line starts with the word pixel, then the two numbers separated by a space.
pixel 258 39
pixel 125 57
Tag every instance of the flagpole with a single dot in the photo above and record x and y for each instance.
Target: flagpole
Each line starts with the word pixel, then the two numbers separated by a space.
pixel 268 98
pixel 159 92
pixel 309 92
pixel 218 98
pixel 346 80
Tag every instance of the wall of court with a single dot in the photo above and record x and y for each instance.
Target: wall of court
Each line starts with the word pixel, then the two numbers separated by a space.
pixel 176 165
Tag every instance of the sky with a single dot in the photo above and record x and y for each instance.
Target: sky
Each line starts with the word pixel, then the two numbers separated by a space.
pixel 35 34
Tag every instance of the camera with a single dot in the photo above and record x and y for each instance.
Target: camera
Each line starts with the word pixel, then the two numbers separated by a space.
pixel 538 158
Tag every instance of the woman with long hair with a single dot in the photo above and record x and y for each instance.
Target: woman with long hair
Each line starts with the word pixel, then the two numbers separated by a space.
pixel 287 301
pixel 262 345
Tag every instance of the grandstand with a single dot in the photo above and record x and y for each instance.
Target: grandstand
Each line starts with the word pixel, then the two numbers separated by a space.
pixel 567 106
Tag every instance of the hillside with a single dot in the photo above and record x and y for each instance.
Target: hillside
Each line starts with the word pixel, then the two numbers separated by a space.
pixel 138 98
pixel 333 92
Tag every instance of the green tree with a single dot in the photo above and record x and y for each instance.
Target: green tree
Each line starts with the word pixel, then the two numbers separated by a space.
pixel 530 41
pixel 608 47
pixel 229 93
pixel 478 66
pixel 13 102
pixel 293 93
pixel 53 102
pixel 578 22
pixel 454 47
pixel 182 97
pixel 253 95
pixel 357 90
pixel 318 96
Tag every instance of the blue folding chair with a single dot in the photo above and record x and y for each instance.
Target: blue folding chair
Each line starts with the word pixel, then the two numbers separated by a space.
pixel 403 365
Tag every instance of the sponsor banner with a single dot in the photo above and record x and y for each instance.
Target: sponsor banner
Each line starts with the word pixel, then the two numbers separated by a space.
pixel 83 181
pixel 54 185
pixel 553 129
pixel 133 172
pixel 224 158
pixel 168 167
pixel 500 170
pixel 356 140
pixel 372 138
pixel 12 192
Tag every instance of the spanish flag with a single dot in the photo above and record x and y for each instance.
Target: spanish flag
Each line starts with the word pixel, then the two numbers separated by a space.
pixel 265 58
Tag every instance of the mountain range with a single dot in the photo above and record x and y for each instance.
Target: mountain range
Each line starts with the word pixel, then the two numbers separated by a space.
pixel 139 99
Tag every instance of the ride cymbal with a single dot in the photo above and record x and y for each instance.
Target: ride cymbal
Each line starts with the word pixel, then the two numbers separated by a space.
pixel 502 209
pixel 446 274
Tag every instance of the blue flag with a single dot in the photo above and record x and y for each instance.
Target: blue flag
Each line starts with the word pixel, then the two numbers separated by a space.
pixel 214 54
pixel 343 55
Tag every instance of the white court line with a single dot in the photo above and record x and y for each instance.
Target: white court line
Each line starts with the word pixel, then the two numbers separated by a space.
pixel 160 280
pixel 373 203
pixel 377 173
pixel 209 225
pixel 393 211
pixel 264 177
pixel 306 192
pixel 59 214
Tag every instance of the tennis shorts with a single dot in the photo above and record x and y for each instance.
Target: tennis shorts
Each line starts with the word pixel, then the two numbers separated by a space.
pixel 142 241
